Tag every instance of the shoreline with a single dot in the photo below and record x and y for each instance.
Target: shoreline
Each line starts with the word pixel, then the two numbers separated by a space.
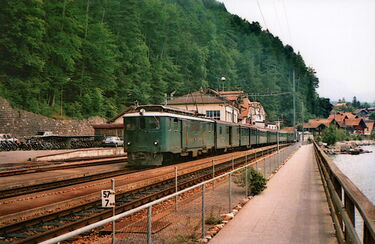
pixel 348 147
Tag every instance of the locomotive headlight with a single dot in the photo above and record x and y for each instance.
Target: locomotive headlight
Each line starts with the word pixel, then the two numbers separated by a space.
pixel 156 143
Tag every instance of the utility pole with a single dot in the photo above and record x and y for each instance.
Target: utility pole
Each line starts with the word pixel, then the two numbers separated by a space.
pixel 294 105
pixel 303 121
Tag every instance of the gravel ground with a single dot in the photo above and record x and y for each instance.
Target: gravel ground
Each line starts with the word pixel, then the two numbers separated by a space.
pixel 170 226
pixel 22 156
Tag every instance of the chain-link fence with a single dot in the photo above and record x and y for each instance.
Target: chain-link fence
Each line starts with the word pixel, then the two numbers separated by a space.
pixel 188 215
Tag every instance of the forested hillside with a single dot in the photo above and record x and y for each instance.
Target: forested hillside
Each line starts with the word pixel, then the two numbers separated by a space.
pixel 95 57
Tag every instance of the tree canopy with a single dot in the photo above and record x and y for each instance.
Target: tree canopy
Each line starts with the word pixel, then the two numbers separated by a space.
pixel 96 57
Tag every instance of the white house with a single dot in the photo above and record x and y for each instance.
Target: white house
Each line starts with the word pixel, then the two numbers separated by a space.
pixel 208 102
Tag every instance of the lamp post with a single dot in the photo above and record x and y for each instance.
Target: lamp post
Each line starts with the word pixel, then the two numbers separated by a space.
pixel 223 82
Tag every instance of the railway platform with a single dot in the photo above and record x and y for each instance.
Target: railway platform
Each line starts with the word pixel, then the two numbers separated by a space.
pixel 293 208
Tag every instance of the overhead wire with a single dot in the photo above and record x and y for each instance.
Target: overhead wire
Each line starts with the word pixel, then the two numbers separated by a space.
pixel 278 24
pixel 261 13
pixel 287 23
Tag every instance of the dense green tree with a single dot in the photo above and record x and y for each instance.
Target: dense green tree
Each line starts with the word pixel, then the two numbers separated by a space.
pixel 95 57
pixel 22 28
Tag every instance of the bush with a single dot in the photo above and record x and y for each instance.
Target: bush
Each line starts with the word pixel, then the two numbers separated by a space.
pixel 186 239
pixel 257 183
pixel 212 220
pixel 331 135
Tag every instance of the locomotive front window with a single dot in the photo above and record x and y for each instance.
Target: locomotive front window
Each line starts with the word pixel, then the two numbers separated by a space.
pixel 153 123
pixel 130 123
pixel 142 123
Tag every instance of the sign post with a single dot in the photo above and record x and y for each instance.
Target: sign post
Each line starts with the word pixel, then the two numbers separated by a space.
pixel 108 201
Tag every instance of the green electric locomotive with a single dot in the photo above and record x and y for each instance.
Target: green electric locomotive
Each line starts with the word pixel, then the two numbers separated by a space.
pixel 154 134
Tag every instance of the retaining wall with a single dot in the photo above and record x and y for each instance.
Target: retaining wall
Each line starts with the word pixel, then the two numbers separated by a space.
pixel 21 123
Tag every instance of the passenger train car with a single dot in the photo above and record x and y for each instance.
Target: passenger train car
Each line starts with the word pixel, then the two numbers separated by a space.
pixel 155 133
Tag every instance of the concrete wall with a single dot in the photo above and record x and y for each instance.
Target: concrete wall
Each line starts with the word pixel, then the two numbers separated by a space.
pixel 96 152
pixel 23 124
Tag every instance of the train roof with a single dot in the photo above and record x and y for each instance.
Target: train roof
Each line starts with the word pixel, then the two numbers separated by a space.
pixel 165 114
pixel 161 108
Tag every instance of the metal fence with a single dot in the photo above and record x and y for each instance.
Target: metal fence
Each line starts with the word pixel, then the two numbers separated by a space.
pixel 345 202
pixel 187 215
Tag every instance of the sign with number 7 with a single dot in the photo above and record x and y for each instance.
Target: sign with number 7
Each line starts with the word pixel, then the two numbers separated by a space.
pixel 108 199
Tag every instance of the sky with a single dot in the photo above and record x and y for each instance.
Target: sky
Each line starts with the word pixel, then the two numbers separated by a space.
pixel 335 37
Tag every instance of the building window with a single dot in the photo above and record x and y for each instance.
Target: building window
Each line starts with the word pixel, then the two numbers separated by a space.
pixel 215 114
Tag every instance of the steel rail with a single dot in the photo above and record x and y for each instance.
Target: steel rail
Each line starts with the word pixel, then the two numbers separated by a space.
pixel 60 167
pixel 22 190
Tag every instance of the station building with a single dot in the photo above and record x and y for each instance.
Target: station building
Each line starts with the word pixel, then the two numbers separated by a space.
pixel 209 102
pixel 228 106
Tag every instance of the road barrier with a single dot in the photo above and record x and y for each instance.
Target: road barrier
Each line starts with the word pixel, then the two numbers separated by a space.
pixel 343 199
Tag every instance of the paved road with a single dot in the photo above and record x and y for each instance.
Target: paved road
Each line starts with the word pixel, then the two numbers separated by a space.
pixel 293 209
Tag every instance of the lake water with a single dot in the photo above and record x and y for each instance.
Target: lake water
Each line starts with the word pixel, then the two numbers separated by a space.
pixel 360 169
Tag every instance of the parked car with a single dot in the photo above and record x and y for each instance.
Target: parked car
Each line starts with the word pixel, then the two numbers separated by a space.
pixel 8 138
pixel 44 133
pixel 113 141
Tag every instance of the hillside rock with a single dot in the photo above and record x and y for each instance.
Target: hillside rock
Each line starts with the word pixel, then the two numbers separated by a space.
pixel 23 124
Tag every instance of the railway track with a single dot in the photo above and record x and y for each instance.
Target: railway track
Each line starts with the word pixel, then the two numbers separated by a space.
pixel 51 225
pixel 71 165
pixel 18 191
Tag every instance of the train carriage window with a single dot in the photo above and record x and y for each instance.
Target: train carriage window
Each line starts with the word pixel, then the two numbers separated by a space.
pixel 170 124
pixel 175 124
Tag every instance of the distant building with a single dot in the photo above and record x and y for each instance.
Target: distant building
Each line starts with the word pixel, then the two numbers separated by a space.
pixel 361 112
pixel 250 112
pixel 114 126
pixel 316 126
pixel 338 105
pixel 370 128
pixel 356 125
pixel 208 102
pixel 345 120
pixel 288 129
pixel 273 125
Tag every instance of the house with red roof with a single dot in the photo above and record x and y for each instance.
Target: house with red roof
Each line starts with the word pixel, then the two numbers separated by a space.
pixel 370 127
pixel 316 126
pixel 250 112
pixel 356 125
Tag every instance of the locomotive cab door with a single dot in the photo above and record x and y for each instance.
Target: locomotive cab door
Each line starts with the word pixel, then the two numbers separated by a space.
pixel 230 133
pixel 184 135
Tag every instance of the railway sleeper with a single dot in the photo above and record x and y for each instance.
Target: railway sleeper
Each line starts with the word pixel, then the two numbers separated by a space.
pixel 36 229
pixel 67 219
pixel 53 223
